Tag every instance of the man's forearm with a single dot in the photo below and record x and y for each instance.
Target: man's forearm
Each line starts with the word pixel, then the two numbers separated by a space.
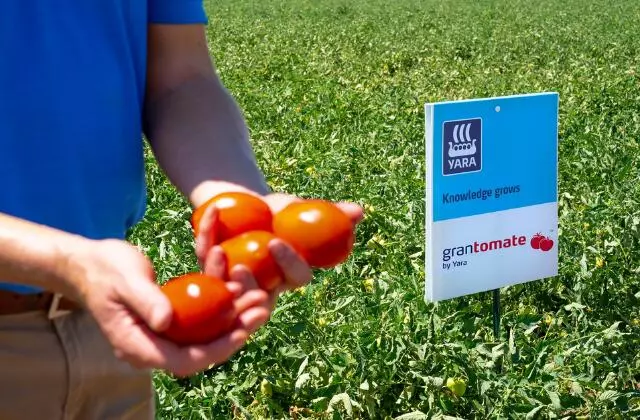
pixel 36 255
pixel 200 139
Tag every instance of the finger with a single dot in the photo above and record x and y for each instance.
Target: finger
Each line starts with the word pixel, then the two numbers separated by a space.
pixel 206 234
pixel 353 210
pixel 135 343
pixel 145 298
pixel 215 263
pixel 143 349
pixel 296 271
pixel 241 280
pixel 253 313
pixel 250 299
pixel 253 310
pixel 274 295
pixel 197 358
pixel 253 318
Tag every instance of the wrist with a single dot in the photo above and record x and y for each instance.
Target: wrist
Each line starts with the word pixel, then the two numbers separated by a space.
pixel 72 255
pixel 37 255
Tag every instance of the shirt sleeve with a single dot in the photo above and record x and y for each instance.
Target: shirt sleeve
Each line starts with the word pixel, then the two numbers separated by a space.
pixel 177 11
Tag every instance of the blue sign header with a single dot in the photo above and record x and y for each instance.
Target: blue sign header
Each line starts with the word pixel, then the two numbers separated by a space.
pixel 488 155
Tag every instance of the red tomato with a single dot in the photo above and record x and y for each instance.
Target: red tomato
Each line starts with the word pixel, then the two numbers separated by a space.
pixel 203 308
pixel 251 250
pixel 535 241
pixel 546 244
pixel 318 230
pixel 238 213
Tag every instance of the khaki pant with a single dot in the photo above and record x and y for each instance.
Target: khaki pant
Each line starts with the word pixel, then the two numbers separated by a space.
pixel 64 369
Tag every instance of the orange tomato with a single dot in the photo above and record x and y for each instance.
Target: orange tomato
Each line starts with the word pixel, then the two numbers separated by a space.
pixel 203 308
pixel 251 250
pixel 238 212
pixel 318 230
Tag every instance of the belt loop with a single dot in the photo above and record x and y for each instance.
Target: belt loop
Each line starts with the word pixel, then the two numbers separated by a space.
pixel 54 311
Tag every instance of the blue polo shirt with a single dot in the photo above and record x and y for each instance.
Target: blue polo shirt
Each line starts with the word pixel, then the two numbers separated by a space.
pixel 72 83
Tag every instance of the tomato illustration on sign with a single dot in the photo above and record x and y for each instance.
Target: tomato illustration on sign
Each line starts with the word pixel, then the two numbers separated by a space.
pixel 541 242
pixel 535 241
pixel 546 244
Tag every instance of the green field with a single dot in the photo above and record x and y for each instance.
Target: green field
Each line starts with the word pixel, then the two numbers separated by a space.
pixel 333 92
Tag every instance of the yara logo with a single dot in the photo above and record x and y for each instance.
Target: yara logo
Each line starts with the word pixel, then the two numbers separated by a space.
pixel 462 146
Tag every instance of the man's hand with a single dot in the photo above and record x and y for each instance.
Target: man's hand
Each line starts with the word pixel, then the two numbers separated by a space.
pixel 296 271
pixel 116 284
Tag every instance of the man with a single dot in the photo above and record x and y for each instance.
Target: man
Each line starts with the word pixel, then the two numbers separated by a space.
pixel 80 313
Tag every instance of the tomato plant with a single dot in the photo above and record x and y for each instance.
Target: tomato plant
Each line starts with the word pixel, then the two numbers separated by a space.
pixel 318 230
pixel 203 308
pixel 239 212
pixel 251 250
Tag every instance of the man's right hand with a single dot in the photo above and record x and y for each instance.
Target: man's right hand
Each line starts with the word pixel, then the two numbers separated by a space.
pixel 116 284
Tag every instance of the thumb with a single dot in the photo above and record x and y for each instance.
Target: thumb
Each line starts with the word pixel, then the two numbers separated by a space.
pixel 206 237
pixel 144 297
pixel 353 210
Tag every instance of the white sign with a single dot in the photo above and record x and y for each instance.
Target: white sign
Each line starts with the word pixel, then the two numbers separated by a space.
pixel 491 196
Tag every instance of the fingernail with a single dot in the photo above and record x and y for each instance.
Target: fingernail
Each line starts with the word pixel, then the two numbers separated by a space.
pixel 234 288
pixel 158 319
pixel 280 250
pixel 219 253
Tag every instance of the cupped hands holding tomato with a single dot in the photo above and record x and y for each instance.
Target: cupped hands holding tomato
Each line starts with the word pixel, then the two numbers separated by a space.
pixel 270 243
pixel 188 324
pixel 303 235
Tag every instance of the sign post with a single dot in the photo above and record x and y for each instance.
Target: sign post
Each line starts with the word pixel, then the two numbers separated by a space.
pixel 496 313
pixel 491 195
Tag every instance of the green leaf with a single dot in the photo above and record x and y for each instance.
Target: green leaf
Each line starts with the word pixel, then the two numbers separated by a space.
pixel 609 395
pixel 346 401
pixel 291 352
pixel 414 415
pixel 574 306
pixel 555 399
pixel 364 386
pixel 341 303
pixel 532 414
pixel 303 365
pixel 302 379
pixel 612 330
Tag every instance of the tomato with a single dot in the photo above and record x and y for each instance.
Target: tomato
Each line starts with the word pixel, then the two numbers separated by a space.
pixel 457 385
pixel 318 230
pixel 238 212
pixel 251 250
pixel 535 241
pixel 546 244
pixel 203 308
pixel 266 388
